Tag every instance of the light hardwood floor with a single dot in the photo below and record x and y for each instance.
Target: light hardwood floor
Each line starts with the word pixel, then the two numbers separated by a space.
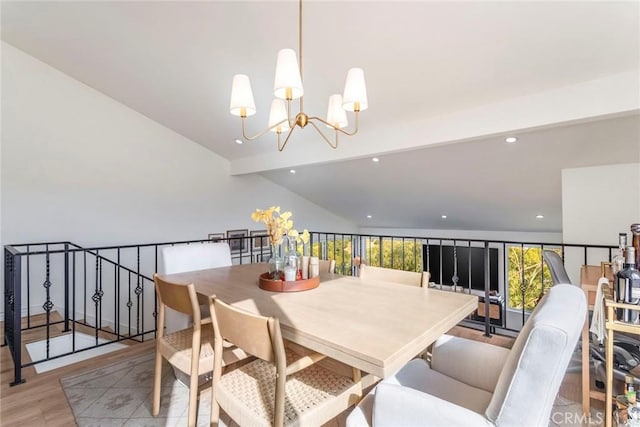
pixel 40 401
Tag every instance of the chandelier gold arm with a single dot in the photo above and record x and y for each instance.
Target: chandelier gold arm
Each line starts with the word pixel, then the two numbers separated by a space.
pixel 251 138
pixel 332 145
pixel 301 119
pixel 355 130
pixel 280 148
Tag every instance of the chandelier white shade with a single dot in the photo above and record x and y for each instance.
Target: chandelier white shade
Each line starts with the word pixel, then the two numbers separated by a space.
pixel 288 82
pixel 288 87
pixel 355 91
pixel 336 115
pixel 242 103
pixel 278 120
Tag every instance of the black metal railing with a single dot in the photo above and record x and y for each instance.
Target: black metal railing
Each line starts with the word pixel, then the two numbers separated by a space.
pixel 62 288
pixel 512 289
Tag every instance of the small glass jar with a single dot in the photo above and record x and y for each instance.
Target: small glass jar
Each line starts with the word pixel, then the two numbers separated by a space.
pixel 617 263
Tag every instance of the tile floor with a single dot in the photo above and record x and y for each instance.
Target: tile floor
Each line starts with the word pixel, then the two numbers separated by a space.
pixel 120 395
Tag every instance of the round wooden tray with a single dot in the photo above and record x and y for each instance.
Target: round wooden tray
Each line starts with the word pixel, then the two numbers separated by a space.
pixel 284 286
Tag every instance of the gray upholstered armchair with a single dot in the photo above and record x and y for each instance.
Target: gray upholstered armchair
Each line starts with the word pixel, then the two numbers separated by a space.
pixel 471 383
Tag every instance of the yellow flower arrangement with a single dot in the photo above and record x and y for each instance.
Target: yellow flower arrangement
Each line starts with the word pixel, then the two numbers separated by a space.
pixel 278 225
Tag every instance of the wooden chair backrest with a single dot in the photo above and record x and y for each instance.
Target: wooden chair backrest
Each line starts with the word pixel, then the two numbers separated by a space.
pixel 327 265
pixel 178 297
pixel 257 335
pixel 412 278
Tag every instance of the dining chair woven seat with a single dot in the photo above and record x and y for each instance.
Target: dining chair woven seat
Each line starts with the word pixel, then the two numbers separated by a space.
pixel 177 349
pixel 190 350
pixel 248 394
pixel 280 387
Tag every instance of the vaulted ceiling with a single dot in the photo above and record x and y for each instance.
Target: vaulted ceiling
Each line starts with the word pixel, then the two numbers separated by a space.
pixel 447 81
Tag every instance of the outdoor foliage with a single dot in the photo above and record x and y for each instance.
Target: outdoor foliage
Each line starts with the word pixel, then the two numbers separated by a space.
pixel 528 277
pixel 393 253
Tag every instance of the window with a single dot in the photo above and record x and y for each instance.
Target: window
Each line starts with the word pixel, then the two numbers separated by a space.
pixel 528 276
pixel 398 253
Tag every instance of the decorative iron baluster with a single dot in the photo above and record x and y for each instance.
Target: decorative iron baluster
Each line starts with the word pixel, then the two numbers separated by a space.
pixel 48 305
pixel 97 295
pixel 99 320
pixel 138 292
pixel 455 277
pixel 129 304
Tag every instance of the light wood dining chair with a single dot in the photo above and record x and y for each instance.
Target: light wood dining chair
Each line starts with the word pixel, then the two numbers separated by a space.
pixel 189 350
pixel 412 278
pixel 190 257
pixel 280 387
pixel 328 265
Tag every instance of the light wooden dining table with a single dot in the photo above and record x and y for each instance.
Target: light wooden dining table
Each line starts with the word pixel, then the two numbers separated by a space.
pixel 374 326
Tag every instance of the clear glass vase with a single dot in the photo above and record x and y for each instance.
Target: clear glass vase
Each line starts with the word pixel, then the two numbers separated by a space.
pixel 292 262
pixel 276 263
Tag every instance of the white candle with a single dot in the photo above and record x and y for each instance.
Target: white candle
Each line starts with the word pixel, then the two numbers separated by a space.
pixel 305 267
pixel 290 274
pixel 314 266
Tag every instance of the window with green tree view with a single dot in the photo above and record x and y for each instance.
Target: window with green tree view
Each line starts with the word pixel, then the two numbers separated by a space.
pixel 528 276
pixel 398 253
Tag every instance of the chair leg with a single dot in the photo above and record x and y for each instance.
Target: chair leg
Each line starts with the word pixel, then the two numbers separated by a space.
pixel 215 408
pixel 193 397
pixel 157 382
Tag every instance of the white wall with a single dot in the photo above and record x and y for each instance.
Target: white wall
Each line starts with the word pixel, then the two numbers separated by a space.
pixel 599 202
pixel 79 166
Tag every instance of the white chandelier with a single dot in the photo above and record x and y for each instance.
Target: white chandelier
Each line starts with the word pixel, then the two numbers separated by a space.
pixel 287 87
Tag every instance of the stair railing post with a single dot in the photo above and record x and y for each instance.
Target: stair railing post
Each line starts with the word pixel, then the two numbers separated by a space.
pixel 13 309
pixel 66 288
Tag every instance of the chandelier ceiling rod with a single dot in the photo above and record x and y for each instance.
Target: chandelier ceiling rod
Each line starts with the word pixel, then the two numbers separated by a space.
pixel 300 49
pixel 287 87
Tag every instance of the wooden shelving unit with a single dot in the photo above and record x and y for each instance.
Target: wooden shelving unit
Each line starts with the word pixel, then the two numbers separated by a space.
pixel 614 326
pixel 589 276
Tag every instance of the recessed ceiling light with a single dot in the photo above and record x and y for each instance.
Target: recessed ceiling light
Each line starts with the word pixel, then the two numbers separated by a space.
pixel 375 160
pixel 539 216
pixel 292 171
pixel 444 217
pixel 238 141
pixel 369 216
pixel 510 139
